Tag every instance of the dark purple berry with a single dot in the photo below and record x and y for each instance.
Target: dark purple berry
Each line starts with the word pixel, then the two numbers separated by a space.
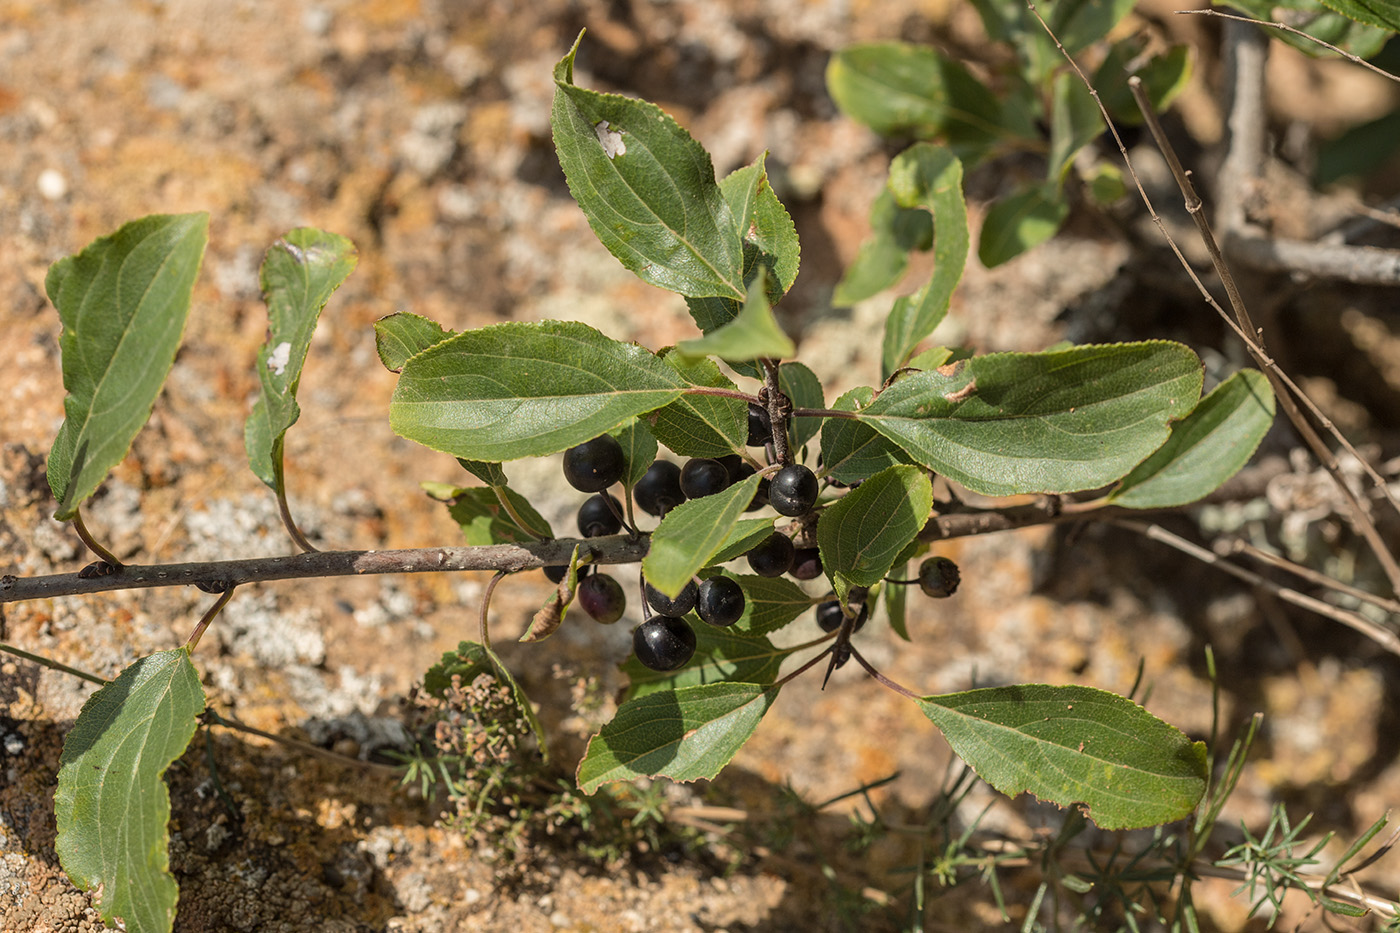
pixel 556 573
pixel 664 643
pixel 594 465
pixel 672 607
pixel 602 598
pixel 736 467
pixel 760 426
pixel 807 563
pixel 793 490
pixel 720 602
pixel 829 616
pixel 597 518
pixel 773 555
pixel 703 477
pixel 659 490
pixel 939 577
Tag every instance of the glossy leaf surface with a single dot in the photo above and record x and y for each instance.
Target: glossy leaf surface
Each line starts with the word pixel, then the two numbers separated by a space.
pixel 523 390
pixel 683 734
pixel 112 804
pixel 1058 421
pixel 299 273
pixel 1075 746
pixel 123 302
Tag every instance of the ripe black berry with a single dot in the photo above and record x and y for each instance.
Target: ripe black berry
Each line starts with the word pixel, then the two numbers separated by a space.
pixel 939 577
pixel 807 563
pixel 664 643
pixel 793 490
pixel 596 518
pixel 556 573
pixel 773 555
pixel 760 426
pixel 703 477
pixel 829 616
pixel 760 498
pixel 720 602
pixel 602 598
pixel 672 607
pixel 594 465
pixel 736 467
pixel 659 490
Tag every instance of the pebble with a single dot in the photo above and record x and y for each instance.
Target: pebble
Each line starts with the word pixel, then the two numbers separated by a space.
pixel 52 185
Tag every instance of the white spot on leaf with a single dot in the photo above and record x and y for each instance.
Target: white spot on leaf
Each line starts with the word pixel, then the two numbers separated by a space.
pixel 611 140
pixel 280 357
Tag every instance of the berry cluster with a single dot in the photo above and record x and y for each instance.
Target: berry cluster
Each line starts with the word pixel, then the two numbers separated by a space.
pixel 665 641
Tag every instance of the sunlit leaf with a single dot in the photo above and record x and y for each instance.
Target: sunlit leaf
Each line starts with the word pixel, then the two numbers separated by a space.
pixel 403 334
pixel 692 533
pixel 862 533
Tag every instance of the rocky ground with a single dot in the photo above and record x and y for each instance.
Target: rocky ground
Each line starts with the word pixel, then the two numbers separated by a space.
pixel 419 128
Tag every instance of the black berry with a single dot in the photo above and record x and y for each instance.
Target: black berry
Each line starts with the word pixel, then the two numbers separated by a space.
pixel 829 616
pixel 602 598
pixel 760 426
pixel 659 490
pixel 664 643
pixel 793 490
pixel 672 607
pixel 939 577
pixel 596 518
pixel 720 602
pixel 556 573
pixel 703 477
pixel 736 467
pixel 807 563
pixel 594 465
pixel 773 555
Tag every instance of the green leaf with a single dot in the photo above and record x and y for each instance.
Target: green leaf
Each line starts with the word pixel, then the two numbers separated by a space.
pixel 895 88
pixel 929 177
pixel 770 603
pixel 852 450
pixel 1075 746
pixel 1315 19
pixel 638 450
pixel 468 662
pixel 742 538
pixel 112 804
pixel 1079 23
pixel 1075 122
pixel 1018 222
pixel 701 425
pixel 484 520
pixel 862 533
pixel 769 241
pixel 647 188
pixel 802 386
pixel 299 273
pixel 1163 76
pixel 489 473
pixel 402 334
pixel 750 336
pixel 721 655
pixel 1206 448
pixel 1380 13
pixel 123 302
pixel 524 390
pixel 692 533
pixel 1059 421
pixel 880 263
pixel 683 735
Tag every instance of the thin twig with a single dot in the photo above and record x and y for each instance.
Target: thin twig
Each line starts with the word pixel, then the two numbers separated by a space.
pixel 1377 633
pixel 482 621
pixel 779 410
pixel 52 665
pixel 870 669
pixel 298 745
pixel 614 549
pixel 1239 546
pixel 1284 27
